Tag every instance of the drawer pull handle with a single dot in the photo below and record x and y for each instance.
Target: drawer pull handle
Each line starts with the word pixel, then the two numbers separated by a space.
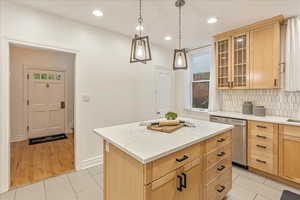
pixel 261 146
pixel 221 154
pixel 222 188
pixel 259 126
pixel 184 180
pixel 179 188
pixel 182 159
pixel 261 161
pixel 261 136
pixel 221 140
pixel 221 168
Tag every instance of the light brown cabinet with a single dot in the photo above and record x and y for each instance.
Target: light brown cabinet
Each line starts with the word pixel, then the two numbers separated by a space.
pixel 273 151
pixel 183 183
pixel 249 57
pixel 265 56
pixel 217 167
pixel 223 61
pixel 263 146
pixel 289 149
pixel 240 61
pixel 179 176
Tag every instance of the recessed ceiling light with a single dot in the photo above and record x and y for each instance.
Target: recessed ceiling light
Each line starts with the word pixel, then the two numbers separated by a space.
pixel 168 38
pixel 98 13
pixel 139 27
pixel 212 20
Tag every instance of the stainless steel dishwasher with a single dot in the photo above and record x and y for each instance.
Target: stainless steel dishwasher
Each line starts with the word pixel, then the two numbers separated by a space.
pixel 239 138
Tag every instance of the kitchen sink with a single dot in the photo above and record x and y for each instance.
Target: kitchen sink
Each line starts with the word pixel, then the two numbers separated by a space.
pixel 294 120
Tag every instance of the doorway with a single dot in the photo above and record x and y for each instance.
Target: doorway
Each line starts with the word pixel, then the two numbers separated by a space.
pixel 163 92
pixel 42 113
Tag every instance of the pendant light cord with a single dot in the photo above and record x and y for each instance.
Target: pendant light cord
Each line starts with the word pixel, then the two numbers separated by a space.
pixel 179 26
pixel 140 19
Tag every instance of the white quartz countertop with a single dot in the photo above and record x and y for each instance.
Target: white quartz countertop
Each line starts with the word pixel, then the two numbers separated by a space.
pixel 271 119
pixel 147 145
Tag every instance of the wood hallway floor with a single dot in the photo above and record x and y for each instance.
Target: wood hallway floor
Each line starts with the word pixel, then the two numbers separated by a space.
pixel 31 163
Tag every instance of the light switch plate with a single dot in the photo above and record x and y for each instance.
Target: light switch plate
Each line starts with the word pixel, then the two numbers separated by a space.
pixel 85 98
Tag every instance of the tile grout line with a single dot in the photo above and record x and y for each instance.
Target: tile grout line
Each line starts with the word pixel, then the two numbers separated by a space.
pixel 255 196
pixel 73 189
pixel 92 176
pixel 45 192
pixel 15 195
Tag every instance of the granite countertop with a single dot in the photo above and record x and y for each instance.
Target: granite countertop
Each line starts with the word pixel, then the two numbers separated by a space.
pixel 271 119
pixel 146 145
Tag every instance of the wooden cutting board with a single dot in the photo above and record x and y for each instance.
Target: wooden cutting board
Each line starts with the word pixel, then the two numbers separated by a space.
pixel 165 129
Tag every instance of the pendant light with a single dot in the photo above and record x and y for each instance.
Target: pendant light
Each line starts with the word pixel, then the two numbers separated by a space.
pixel 180 58
pixel 140 45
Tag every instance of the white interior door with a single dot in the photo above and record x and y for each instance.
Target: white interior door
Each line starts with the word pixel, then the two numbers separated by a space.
pixel 46 103
pixel 163 92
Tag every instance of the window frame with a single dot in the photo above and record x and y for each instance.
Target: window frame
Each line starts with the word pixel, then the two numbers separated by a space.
pixel 191 81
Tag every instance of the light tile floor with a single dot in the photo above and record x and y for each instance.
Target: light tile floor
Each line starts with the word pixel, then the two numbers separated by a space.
pixel 87 185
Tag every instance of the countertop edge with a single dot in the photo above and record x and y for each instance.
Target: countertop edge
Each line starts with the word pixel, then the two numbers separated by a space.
pixel 272 119
pixel 146 161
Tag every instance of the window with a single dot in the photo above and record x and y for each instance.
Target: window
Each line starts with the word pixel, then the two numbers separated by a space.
pixel 200 79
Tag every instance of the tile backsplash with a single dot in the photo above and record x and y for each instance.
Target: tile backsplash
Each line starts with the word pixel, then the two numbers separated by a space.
pixel 276 102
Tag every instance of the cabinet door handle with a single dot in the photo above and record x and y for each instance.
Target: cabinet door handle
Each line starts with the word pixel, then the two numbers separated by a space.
pixel 221 154
pixel 275 82
pixel 179 188
pixel 259 126
pixel 222 188
pixel 184 185
pixel 62 105
pixel 261 161
pixel 261 136
pixel 228 84
pixel 261 146
pixel 221 168
pixel 182 159
pixel 221 140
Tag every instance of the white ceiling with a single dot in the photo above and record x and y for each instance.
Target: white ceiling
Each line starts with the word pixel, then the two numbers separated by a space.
pixel 161 16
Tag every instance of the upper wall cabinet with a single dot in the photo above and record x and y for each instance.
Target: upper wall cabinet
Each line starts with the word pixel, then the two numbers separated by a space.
pixel 223 60
pixel 249 57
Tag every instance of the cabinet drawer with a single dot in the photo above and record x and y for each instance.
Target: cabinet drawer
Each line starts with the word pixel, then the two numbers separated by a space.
pixel 217 189
pixel 261 127
pixel 261 136
pixel 218 170
pixel 169 163
pixel 217 141
pixel 293 131
pixel 258 147
pixel 217 155
pixel 263 163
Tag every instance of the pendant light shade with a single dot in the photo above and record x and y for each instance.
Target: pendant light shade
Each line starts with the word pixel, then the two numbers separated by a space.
pixel 140 45
pixel 180 58
pixel 140 49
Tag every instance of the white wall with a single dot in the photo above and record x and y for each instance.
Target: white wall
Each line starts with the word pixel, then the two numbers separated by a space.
pixel 3 138
pixel 20 57
pixel 120 92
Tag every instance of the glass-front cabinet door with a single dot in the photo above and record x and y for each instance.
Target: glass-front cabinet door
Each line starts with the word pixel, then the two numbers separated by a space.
pixel 223 59
pixel 240 61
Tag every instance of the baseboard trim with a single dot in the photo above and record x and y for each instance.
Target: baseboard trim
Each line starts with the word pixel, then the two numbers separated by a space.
pixel 18 138
pixel 4 189
pixel 91 162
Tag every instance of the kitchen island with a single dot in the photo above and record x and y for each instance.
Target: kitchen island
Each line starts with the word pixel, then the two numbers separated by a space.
pixel 192 163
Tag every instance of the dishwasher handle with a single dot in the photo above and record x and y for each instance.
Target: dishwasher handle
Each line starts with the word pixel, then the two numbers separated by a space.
pixel 237 122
